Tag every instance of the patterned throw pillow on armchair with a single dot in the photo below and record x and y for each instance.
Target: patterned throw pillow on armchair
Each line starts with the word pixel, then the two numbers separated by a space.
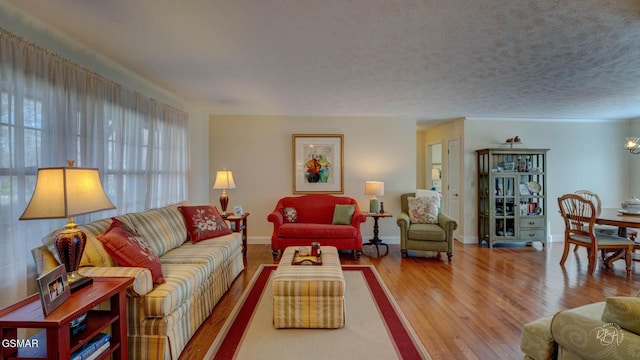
pixel 424 209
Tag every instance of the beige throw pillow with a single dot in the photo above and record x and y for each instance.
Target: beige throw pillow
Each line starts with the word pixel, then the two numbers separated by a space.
pixel 624 311
pixel 424 210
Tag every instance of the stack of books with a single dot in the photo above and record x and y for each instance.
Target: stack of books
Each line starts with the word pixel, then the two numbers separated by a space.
pixel 91 350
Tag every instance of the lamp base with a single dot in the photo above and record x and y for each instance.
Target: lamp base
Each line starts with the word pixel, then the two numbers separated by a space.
pixel 373 205
pixel 224 201
pixel 70 245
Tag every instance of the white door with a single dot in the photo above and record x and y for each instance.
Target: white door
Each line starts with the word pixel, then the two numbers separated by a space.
pixel 453 181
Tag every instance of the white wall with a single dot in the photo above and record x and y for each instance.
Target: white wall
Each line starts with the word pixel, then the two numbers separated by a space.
pixel 258 149
pixel 583 155
pixel 634 160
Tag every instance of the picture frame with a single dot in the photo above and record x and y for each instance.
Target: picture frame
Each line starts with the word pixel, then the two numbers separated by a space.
pixel 238 210
pixel 318 163
pixel 54 289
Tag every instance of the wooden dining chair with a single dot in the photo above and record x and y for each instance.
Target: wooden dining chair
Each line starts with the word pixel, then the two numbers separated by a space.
pixel 595 199
pixel 607 229
pixel 579 216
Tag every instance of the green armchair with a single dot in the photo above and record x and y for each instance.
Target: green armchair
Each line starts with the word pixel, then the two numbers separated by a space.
pixel 425 237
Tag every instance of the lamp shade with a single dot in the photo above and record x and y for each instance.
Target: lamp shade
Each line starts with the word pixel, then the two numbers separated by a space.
pixel 224 180
pixel 435 174
pixel 374 188
pixel 64 192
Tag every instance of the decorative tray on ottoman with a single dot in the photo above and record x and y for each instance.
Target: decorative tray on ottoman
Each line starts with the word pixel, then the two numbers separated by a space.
pixel 305 259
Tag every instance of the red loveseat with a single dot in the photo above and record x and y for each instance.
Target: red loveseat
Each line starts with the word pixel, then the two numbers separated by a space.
pixel 314 222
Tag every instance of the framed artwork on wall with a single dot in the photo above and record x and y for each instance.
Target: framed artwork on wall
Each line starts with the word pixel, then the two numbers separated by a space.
pixel 54 289
pixel 318 164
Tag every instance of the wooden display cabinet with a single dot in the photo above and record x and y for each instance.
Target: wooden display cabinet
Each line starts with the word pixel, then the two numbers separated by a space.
pixel 512 196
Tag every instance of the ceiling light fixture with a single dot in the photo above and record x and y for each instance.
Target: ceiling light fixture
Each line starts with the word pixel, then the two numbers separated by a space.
pixel 632 145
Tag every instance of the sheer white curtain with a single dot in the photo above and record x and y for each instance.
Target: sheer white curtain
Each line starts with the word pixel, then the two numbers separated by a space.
pixel 51 111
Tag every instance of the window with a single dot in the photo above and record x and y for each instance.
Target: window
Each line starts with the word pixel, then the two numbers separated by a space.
pixel 52 110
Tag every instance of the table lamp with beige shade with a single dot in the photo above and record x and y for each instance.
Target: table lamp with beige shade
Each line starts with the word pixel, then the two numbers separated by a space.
pixel 65 192
pixel 224 181
pixel 375 188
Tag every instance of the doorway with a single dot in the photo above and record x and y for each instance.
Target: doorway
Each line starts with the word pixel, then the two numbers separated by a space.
pixel 434 167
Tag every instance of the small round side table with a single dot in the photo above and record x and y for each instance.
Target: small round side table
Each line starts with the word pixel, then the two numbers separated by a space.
pixel 376 240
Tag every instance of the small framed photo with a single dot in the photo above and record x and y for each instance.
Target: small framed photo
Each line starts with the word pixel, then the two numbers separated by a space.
pixel 238 210
pixel 54 289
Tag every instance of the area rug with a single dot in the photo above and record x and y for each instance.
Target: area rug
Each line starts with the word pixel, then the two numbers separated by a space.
pixel 375 327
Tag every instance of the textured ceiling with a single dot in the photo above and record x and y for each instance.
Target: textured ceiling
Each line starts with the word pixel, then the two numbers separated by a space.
pixel 430 59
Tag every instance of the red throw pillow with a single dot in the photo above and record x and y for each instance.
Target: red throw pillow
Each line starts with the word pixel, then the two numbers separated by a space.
pixel 128 248
pixel 204 222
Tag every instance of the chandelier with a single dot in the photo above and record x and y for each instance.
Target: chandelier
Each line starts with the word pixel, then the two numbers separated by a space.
pixel 633 145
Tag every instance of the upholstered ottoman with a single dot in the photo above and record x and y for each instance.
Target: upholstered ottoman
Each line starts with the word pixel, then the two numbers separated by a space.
pixel 309 296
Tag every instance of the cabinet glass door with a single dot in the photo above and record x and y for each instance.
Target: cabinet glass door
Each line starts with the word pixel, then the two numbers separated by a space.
pixel 505 200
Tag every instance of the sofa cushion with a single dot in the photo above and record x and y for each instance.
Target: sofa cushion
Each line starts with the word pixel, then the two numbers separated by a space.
pixel 300 230
pixel 427 232
pixel 211 252
pixel 94 253
pixel 203 222
pixel 342 214
pixel 130 249
pixel 424 210
pixel 576 330
pixel 289 214
pixel 164 228
pixel 624 311
pixel 181 280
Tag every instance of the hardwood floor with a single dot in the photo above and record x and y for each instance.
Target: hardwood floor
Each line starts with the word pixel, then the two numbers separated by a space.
pixel 473 308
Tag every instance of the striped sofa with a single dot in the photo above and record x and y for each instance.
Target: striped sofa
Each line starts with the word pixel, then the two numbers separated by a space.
pixel 161 318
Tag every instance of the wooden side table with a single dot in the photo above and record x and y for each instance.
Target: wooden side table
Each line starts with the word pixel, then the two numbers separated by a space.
pixel 240 223
pixel 56 341
pixel 376 240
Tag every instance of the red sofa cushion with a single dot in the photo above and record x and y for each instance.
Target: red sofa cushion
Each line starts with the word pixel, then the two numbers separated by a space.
pixel 326 231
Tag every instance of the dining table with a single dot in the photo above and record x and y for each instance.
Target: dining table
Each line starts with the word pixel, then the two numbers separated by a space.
pixel 613 217
pixel 624 221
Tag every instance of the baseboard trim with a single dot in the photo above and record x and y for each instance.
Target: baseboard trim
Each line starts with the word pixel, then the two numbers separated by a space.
pixel 365 239
pixel 396 239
